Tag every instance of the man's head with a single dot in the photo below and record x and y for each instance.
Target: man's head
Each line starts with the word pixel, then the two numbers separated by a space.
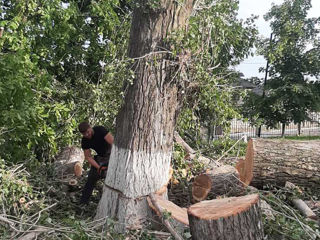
pixel 86 130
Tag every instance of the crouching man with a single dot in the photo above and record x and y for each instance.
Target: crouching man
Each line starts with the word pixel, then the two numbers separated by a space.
pixel 99 139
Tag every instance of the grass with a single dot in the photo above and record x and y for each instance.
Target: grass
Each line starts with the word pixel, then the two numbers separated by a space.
pixel 302 137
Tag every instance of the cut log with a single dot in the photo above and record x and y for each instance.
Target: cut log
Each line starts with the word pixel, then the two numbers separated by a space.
pixel 77 169
pixel 236 218
pixel 73 182
pixel 275 161
pixel 223 180
pixel 299 203
pixel 69 162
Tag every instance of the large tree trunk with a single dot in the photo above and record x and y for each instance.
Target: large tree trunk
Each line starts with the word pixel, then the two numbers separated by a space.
pixel 276 161
pixel 140 158
pixel 237 218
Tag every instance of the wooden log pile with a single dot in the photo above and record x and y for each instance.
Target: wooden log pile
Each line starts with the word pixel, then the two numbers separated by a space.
pixel 68 167
pixel 267 161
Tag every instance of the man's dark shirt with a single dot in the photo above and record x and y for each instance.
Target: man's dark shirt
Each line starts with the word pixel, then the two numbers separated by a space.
pixel 97 142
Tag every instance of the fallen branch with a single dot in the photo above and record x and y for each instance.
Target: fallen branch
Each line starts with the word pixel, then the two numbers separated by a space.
pixel 304 209
pixel 300 204
pixel 11 222
pixel 225 153
pixel 185 145
pixel 191 153
pixel 165 221
pixel 33 234
pixel 42 211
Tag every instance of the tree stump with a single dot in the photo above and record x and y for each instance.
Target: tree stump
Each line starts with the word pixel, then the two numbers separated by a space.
pixel 236 218
pixel 276 161
pixel 69 162
pixel 223 180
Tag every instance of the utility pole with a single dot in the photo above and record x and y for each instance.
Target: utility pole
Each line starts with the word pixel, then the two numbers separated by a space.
pixel 265 82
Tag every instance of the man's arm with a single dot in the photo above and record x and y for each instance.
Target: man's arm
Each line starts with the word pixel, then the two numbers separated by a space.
pixel 109 138
pixel 89 158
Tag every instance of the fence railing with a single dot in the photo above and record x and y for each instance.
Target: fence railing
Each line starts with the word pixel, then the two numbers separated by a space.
pixel 240 128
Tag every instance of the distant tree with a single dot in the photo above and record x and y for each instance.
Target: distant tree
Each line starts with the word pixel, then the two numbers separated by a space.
pixel 294 58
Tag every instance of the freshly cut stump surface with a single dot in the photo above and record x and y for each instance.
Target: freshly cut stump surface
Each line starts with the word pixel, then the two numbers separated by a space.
pixel 235 218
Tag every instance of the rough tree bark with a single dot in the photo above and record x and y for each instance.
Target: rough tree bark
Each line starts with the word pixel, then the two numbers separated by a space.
pixel 140 158
pixel 274 161
pixel 236 218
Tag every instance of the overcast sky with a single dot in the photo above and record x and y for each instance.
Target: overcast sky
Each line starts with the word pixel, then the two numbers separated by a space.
pixel 250 67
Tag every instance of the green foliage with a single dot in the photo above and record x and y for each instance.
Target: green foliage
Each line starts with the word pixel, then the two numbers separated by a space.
pixel 183 169
pixel 220 146
pixel 293 57
pixel 302 138
pixel 217 40
pixel 60 63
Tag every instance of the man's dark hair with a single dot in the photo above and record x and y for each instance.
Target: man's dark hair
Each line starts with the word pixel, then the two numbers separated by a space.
pixel 83 127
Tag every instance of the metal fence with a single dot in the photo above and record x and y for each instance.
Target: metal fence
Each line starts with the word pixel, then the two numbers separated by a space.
pixel 240 129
